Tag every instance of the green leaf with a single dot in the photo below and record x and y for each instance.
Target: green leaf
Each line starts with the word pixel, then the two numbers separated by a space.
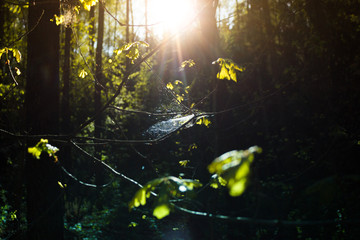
pixel 18 72
pixel 170 187
pixel 3 50
pixel 189 63
pixel 83 73
pixel 131 50
pixel 17 54
pixel 237 187
pixel 36 152
pixel 161 211
pixel 184 162
pixel 87 4
pixel 133 224
pixel 169 86
pixel 43 146
pixel 178 82
pixel 233 169
pixel 227 69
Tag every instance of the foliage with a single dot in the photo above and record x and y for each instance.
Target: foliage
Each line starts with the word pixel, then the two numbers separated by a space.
pixel 233 168
pixel 169 187
pixel 43 147
pixel 131 50
pixel 87 4
pixel 227 69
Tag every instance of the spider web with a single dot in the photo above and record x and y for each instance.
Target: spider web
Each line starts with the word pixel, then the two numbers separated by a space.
pixel 166 127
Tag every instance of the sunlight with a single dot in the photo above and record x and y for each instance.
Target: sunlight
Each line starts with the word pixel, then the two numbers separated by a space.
pixel 171 15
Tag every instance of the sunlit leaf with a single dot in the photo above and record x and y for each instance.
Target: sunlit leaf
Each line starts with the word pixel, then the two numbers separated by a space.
pixel 18 72
pixel 184 162
pixel 178 82
pixel 61 185
pixel 227 69
pixel 223 73
pixel 83 73
pixel 36 152
pixel 13 215
pixel 169 86
pixel 217 181
pixel 43 146
pixel 169 187
pixel 76 9
pixel 189 63
pixel 87 4
pixel 192 146
pixel 59 19
pixel 203 121
pixel 161 211
pixel 3 50
pixel 131 50
pixel 179 98
pixel 17 55
pixel 233 169
pixel 132 224
pixel 237 188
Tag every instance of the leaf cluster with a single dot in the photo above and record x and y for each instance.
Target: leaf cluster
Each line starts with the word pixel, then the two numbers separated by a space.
pixel 232 169
pixel 131 50
pixel 16 53
pixel 227 69
pixel 43 146
pixel 169 187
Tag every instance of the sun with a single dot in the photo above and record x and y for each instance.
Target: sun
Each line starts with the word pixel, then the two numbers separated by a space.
pixel 170 15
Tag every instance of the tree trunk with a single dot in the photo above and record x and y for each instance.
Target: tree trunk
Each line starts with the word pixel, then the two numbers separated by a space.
pixel 2 22
pixel 44 196
pixel 65 101
pixel 99 172
pixel 146 22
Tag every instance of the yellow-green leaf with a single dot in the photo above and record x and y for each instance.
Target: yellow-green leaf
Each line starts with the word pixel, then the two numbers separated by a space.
pixel 233 169
pixel 184 162
pixel 3 50
pixel 223 73
pixel 189 63
pixel 83 73
pixel 132 224
pixel 17 55
pixel 36 152
pixel 227 69
pixel 87 4
pixel 170 86
pixel 61 185
pixel 179 98
pixel 237 188
pixel 18 72
pixel 59 19
pixel 161 211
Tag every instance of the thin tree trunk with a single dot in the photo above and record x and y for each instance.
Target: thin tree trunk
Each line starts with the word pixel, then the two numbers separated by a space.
pixel 99 174
pixel 146 22
pixel 92 31
pixel 65 101
pixel 2 22
pixel 44 196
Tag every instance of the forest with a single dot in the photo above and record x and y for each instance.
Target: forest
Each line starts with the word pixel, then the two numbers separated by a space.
pixel 179 119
